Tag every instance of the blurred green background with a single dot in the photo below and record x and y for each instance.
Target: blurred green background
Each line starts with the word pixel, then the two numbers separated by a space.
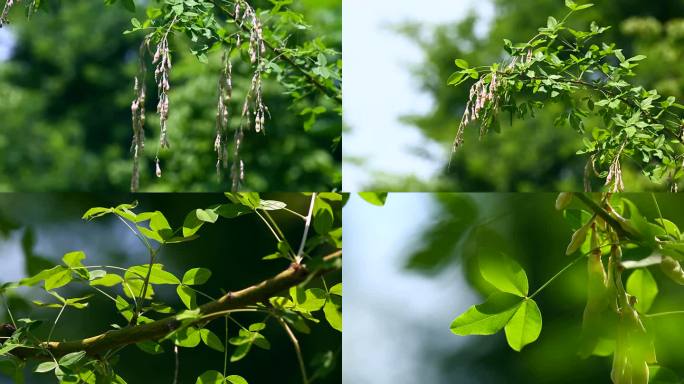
pixel 408 288
pixel 530 155
pixel 40 228
pixel 66 84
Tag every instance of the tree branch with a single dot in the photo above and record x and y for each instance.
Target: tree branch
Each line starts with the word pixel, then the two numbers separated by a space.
pixel 101 343
pixel 597 209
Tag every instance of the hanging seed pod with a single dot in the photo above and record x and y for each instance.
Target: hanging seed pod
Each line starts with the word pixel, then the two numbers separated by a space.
pixel 563 200
pixel 598 319
pixel 157 169
pixel 578 238
pixel 672 269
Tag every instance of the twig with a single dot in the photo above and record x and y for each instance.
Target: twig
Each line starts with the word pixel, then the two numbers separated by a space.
pixel 298 259
pixel 298 350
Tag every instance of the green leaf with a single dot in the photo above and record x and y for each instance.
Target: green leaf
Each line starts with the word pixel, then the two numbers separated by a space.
pixel 322 216
pixel 271 205
pixel 504 274
pixel 195 219
pixel 108 280
pixel 235 379
pixel 152 235
pixel 643 286
pixel 584 6
pixel 71 358
pixel 73 259
pixel 58 280
pixel 336 289
pixel 158 222
pixel 42 275
pixel 187 337
pixel 211 340
pixel 462 64
pixel 573 6
pixel 375 198
pixel 256 327
pixel 210 377
pixel 76 302
pixel 150 347
pixel 187 296
pixel 230 211
pixel 248 199
pixel 196 276
pixel 310 300
pixel 261 342
pixel 330 196
pixel 551 22
pixel 487 318
pixel 333 314
pixel 525 325
pixel 96 212
pixel 157 274
pixel 240 352
pixel 456 78
pixel 46 367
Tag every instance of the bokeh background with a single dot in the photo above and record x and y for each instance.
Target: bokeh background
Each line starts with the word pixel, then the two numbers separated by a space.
pixel 66 85
pixel 401 117
pixel 410 269
pixel 36 229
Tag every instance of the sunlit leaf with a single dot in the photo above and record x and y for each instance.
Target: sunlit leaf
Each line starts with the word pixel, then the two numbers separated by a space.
pixel 525 325
pixel 487 318
pixel 643 286
pixel 503 273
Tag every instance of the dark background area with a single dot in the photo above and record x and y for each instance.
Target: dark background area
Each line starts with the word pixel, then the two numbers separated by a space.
pixel 232 249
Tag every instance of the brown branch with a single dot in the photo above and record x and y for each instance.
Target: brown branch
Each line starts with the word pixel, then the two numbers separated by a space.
pixel 97 345
pixel 601 212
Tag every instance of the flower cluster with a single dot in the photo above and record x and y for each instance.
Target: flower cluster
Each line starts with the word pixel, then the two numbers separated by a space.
pixel 225 92
pixel 162 60
pixel 138 117
pixel 5 12
pixel 256 37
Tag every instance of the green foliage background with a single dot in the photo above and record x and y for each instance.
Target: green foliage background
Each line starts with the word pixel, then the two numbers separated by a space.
pixel 532 155
pixel 232 249
pixel 66 123
pixel 527 228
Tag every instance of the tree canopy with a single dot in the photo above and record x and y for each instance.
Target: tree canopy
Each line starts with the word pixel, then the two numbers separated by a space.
pixel 534 154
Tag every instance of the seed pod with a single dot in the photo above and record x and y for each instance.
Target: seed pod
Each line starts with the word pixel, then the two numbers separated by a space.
pixel 672 269
pixel 563 200
pixel 578 238
pixel 598 319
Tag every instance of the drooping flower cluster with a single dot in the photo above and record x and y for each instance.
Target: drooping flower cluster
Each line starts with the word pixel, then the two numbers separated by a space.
pixel 162 60
pixel 246 19
pixel 225 92
pixel 5 12
pixel 138 117
pixel 614 178
pixel 257 47
pixel 483 100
